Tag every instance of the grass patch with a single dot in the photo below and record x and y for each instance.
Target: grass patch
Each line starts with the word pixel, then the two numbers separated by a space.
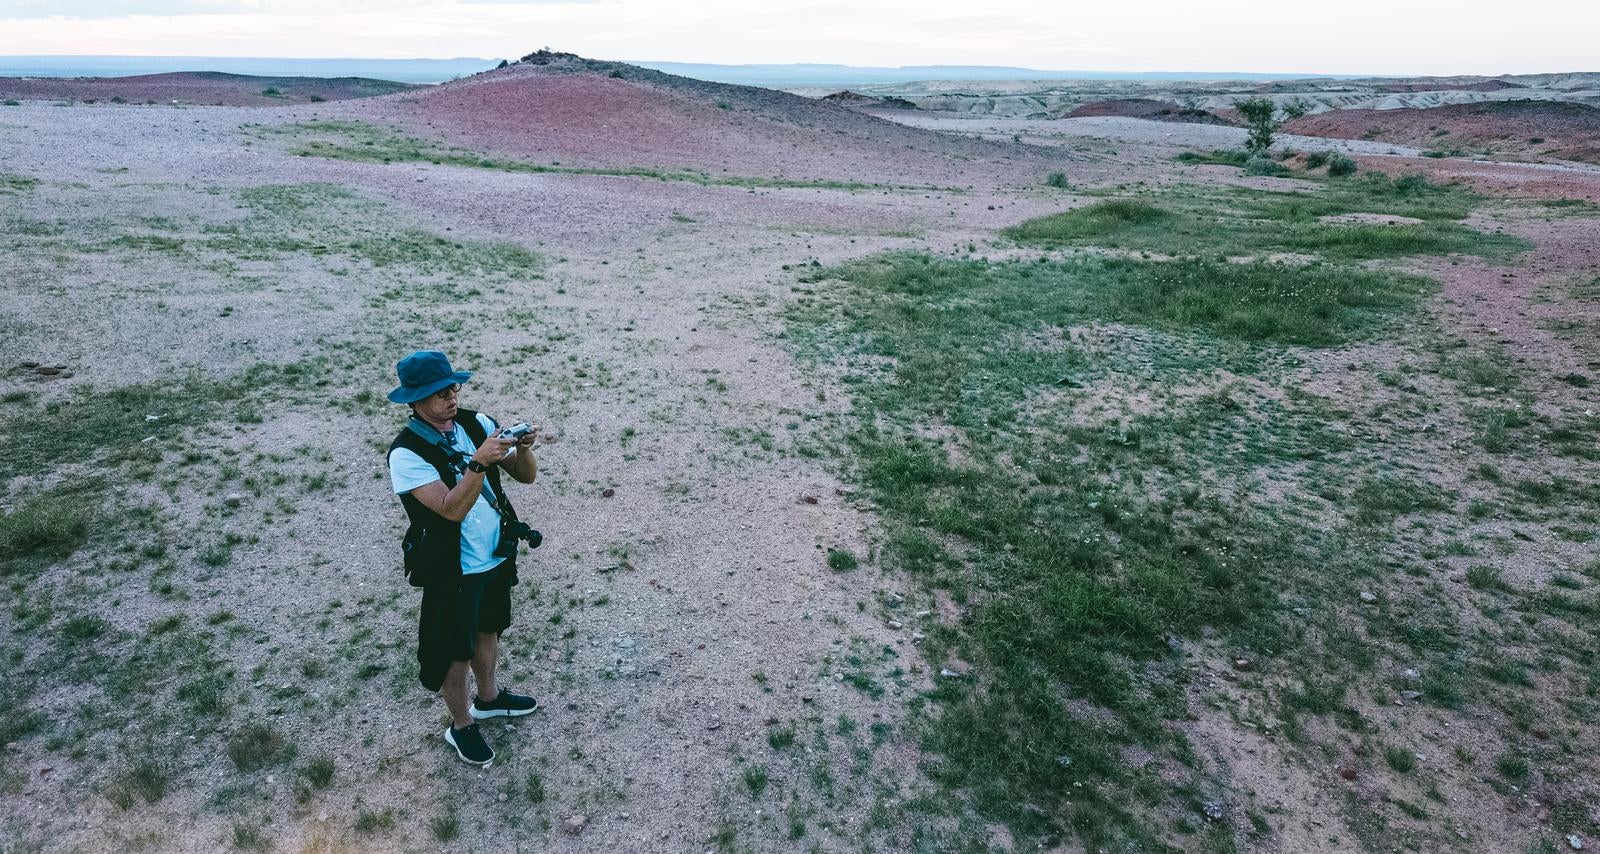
pixel 12 183
pixel 1234 221
pixel 1078 551
pixel 364 142
pixel 1216 157
pixel 258 746
pixel 45 527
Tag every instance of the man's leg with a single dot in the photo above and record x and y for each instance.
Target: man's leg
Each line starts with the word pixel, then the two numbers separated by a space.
pixel 454 691
pixel 483 670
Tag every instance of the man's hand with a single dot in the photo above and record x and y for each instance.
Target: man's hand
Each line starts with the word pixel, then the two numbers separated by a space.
pixel 528 439
pixel 495 449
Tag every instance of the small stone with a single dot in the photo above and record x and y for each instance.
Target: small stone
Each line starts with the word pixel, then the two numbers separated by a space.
pixel 607 492
pixel 30 364
pixel 947 672
pixel 809 499
pixel 771 721
pixel 1243 665
pixel 1213 810
pixel 1411 674
pixel 504 797
pixel 896 625
pixel 1369 597
pixel 48 370
pixel 554 655
pixel 322 816
pixel 923 615
pixel 1575 842
pixel 1347 773
pixel 574 825
pixel 233 499
pixel 1409 696
pixel 714 725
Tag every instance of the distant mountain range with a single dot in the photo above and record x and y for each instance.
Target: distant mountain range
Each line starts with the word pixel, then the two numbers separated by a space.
pixel 440 70
pixel 810 74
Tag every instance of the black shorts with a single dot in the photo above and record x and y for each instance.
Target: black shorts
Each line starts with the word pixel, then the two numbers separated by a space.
pixel 453 617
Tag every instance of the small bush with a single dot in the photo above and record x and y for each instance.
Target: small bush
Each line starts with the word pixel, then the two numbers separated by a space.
pixel 1485 578
pixel 12 102
pixel 1400 759
pixel 317 99
pixel 446 827
pixel 1513 767
pixel 83 627
pixel 1340 166
pixel 535 788
pixel 1263 165
pixel 1317 159
pixel 367 820
pixel 841 561
pixel 755 780
pixel 257 746
pixel 271 92
pixel 318 772
pixel 1057 180
pixel 1220 157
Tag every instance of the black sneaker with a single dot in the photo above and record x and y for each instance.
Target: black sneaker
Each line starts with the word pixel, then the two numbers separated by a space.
pixel 469 745
pixel 504 705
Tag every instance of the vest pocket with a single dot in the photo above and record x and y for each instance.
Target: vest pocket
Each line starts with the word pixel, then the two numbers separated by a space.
pixel 421 562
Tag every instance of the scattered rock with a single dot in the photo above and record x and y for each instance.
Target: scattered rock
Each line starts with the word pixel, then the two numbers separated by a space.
pixel 607 492
pixel 714 725
pixel 322 816
pixel 1575 842
pixel 504 797
pixel 1243 664
pixel 575 824
pixel 809 499
pixel 554 655
pixel 50 370
pixel 30 364
pixel 1368 596
pixel 233 499
pixel 896 625
pixel 1213 810
pixel 1410 696
pixel 1347 773
pixel 1411 674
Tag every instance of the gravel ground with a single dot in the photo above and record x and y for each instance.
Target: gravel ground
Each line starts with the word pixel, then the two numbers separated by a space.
pixel 673 284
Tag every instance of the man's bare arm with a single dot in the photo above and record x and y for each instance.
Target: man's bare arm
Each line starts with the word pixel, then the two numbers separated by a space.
pixel 451 503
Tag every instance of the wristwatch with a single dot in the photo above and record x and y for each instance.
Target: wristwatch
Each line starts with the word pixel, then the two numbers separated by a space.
pixel 474 465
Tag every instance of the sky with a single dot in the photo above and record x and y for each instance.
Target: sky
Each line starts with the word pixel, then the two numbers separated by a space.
pixel 1403 37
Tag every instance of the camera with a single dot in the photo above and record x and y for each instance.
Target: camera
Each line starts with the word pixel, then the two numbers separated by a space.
pixel 516 431
pixel 512 531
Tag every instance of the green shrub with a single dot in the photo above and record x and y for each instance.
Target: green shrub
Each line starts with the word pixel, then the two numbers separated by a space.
pixel 1261 165
pixel 1057 180
pixel 257 746
pixel 1258 114
pixel 841 561
pixel 271 92
pixel 1220 157
pixel 1339 166
pixel 1317 159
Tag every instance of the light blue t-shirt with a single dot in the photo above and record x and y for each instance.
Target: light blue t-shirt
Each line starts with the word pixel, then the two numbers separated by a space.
pixel 480 531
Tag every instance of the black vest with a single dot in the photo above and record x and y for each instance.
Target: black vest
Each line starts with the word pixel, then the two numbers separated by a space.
pixel 432 543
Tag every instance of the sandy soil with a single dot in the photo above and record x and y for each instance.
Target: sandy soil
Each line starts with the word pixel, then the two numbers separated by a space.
pixel 708 549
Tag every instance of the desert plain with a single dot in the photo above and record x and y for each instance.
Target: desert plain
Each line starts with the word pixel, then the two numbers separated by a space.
pixel 920 470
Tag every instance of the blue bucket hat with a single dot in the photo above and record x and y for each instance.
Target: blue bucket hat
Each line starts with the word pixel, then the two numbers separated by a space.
pixel 422 373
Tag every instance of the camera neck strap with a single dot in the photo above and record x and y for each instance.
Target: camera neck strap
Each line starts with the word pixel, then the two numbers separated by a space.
pixel 457 457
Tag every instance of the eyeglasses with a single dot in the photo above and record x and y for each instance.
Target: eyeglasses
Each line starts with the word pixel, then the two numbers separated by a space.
pixel 448 391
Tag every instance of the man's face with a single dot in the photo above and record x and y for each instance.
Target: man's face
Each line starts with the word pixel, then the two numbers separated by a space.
pixel 439 406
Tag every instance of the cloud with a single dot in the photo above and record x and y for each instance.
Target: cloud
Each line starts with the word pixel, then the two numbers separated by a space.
pixel 105 9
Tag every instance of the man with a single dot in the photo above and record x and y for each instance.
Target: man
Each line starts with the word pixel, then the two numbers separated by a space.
pixel 445 466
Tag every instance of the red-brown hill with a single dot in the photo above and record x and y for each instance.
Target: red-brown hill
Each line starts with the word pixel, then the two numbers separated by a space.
pixel 1521 128
pixel 561 108
pixel 196 87
pixel 1147 108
